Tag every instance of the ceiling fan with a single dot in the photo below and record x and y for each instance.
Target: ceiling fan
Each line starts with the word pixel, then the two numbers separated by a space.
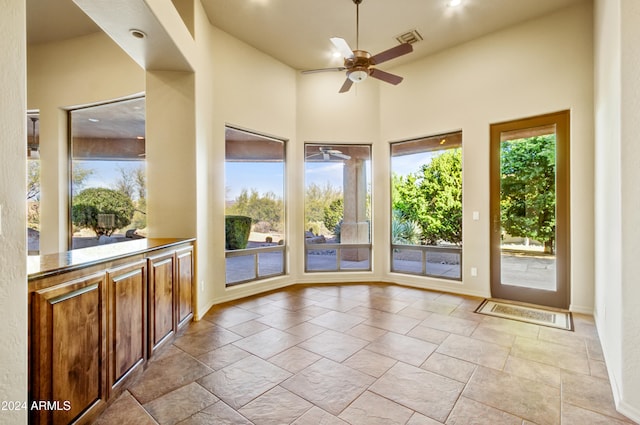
pixel 359 63
pixel 327 154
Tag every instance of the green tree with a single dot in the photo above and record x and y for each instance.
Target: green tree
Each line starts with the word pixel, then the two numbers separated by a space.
pixel 528 198
pixel 432 198
pixel 333 214
pixel 267 207
pixel 33 180
pixel 102 210
pixel 79 175
pixel 316 199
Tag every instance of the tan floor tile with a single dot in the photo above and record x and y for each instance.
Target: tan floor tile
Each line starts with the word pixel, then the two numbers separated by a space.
pixel 535 371
pixel 167 375
pixel 598 369
pixel 594 349
pixel 229 316
pixel 562 337
pixel 317 416
pixel 589 393
pixel 491 335
pixel 428 334
pixel 294 303
pixel 366 332
pixel 306 330
pixel 338 304
pixel 414 313
pixel 370 363
pixel 552 354
pixel 513 327
pixel 474 351
pixel 385 304
pixel 276 406
pixel 337 321
pixel 180 404
pixel 420 419
pixel 223 356
pixel 314 311
pixel 283 320
pixel 217 414
pixel 329 385
pixel 125 410
pixel 244 380
pixel 294 359
pixel 334 345
pixel 268 343
pixel 391 322
pixel 425 392
pixel 434 306
pixel 574 415
pixel 248 328
pixel 462 313
pixel 450 367
pixel 534 401
pixel 371 409
pixel 470 412
pixel 206 340
pixel 412 351
pixel 450 324
pixel 265 309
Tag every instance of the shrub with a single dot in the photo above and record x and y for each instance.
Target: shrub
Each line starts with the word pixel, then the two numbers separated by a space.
pixel 102 210
pixel 236 229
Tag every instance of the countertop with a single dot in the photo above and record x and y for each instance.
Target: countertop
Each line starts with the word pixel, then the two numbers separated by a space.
pixel 53 264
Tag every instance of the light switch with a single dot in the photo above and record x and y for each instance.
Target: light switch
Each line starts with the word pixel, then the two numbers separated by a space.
pixel 474 272
pixel 476 215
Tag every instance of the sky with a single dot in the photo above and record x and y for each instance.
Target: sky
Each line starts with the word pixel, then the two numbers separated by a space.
pixel 261 176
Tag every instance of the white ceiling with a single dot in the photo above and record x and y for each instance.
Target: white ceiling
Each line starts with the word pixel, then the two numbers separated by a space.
pixel 297 32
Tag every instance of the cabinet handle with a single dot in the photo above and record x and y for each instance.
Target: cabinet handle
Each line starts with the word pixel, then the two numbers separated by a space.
pixel 72 294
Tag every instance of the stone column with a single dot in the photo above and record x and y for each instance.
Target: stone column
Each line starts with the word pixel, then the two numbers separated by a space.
pixel 355 227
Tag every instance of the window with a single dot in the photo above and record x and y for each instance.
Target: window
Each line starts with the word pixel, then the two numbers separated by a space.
pixel 108 180
pixel 33 182
pixel 337 207
pixel 426 210
pixel 254 206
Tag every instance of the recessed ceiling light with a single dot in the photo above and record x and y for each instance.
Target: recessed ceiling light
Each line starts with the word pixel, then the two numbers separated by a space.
pixel 137 33
pixel 94 120
pixel 140 137
pixel 455 3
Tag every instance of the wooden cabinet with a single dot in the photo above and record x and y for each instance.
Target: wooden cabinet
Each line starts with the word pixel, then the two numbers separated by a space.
pixel 92 328
pixel 185 282
pixel 161 299
pixel 69 349
pixel 127 312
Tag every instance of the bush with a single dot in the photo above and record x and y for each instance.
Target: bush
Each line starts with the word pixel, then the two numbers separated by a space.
pixel 236 229
pixel 333 213
pixel 102 210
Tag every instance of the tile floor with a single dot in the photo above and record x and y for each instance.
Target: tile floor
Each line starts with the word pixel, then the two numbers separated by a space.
pixel 370 354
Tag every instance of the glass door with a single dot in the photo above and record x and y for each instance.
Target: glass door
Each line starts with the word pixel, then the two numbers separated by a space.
pixel 530 210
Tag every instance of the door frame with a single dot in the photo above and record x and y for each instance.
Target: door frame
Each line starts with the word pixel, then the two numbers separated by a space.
pixel 562 296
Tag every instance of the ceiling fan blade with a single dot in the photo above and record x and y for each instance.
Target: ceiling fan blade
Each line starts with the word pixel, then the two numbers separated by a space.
pixel 346 86
pixel 392 53
pixel 342 47
pixel 314 71
pixel 341 155
pixel 385 76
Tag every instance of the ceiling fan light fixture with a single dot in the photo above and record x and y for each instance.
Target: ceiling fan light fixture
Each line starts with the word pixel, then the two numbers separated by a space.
pixel 358 74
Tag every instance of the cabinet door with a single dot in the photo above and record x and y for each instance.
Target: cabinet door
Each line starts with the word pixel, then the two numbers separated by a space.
pixel 161 300
pixel 69 349
pixel 127 320
pixel 184 264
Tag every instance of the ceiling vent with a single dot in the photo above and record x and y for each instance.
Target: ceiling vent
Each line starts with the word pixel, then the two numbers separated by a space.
pixel 410 37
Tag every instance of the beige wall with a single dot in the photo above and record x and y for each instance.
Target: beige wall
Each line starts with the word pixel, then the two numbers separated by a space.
pixel 541 66
pixel 13 170
pixel 248 89
pixel 617 89
pixel 63 75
